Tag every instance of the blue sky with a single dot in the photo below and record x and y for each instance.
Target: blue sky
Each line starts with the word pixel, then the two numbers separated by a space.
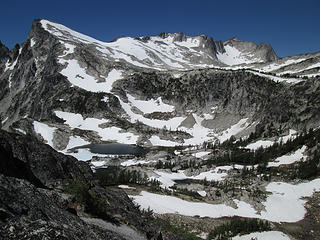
pixel 291 27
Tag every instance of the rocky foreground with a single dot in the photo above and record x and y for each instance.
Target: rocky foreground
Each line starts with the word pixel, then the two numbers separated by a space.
pixel 40 197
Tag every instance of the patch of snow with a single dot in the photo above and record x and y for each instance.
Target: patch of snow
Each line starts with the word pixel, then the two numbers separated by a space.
pixel 172 123
pixel 75 120
pixel 4 121
pixel 277 79
pixel 126 187
pixel 268 143
pixel 75 142
pixel 150 106
pixel 21 131
pixel 132 162
pixel 217 174
pixel 234 130
pixel 69 49
pixel 84 154
pixel 60 30
pixel 32 42
pixel 232 56
pixel 269 235
pixel 292 134
pixel 78 77
pixel 207 116
pixel 105 99
pixel 45 131
pixel 276 65
pixel 98 164
pixel 200 133
pixel 202 193
pixel 283 205
pixel 157 141
pixel 112 77
pixel 177 75
pixel 167 204
pixel 167 178
pixel 200 154
pixel 259 143
pixel 289 159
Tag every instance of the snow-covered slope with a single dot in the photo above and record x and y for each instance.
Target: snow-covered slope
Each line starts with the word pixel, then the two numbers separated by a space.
pixel 168 50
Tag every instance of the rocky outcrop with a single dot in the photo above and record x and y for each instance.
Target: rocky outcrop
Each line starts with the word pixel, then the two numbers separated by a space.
pixel 28 212
pixel 33 205
pixel 27 158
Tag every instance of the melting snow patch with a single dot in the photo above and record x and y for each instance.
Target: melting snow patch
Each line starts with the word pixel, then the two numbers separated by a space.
pixel 78 77
pixel 233 56
pixel 277 79
pixel 200 154
pixel 84 154
pixel 289 159
pixel 234 130
pixel 151 105
pixel 270 235
pixel 45 131
pixel 126 187
pixel 283 205
pixel 3 121
pixel 156 141
pixel 21 131
pixel 32 42
pixel 107 134
pixel 75 142
pixel 172 123
pixel 202 193
pixel 132 163
pixel 260 143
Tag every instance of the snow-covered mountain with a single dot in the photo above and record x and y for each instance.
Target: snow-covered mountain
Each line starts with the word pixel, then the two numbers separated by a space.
pixel 169 50
pixel 167 90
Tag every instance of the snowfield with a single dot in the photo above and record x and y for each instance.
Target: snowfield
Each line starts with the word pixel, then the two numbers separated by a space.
pixel 45 131
pixel 233 56
pixel 167 178
pixel 107 134
pixel 290 158
pixel 268 143
pixel 150 106
pixel 277 79
pixel 269 235
pixel 78 77
pixel 284 204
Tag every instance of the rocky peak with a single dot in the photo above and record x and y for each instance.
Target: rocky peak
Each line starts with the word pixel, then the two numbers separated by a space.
pixel 262 51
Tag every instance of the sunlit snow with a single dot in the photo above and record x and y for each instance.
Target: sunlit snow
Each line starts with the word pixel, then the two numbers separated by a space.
pixel 270 235
pixel 283 205
pixel 45 131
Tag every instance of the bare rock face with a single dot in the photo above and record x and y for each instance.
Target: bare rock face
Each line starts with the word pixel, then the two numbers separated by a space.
pixel 27 158
pixel 32 178
pixel 28 212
